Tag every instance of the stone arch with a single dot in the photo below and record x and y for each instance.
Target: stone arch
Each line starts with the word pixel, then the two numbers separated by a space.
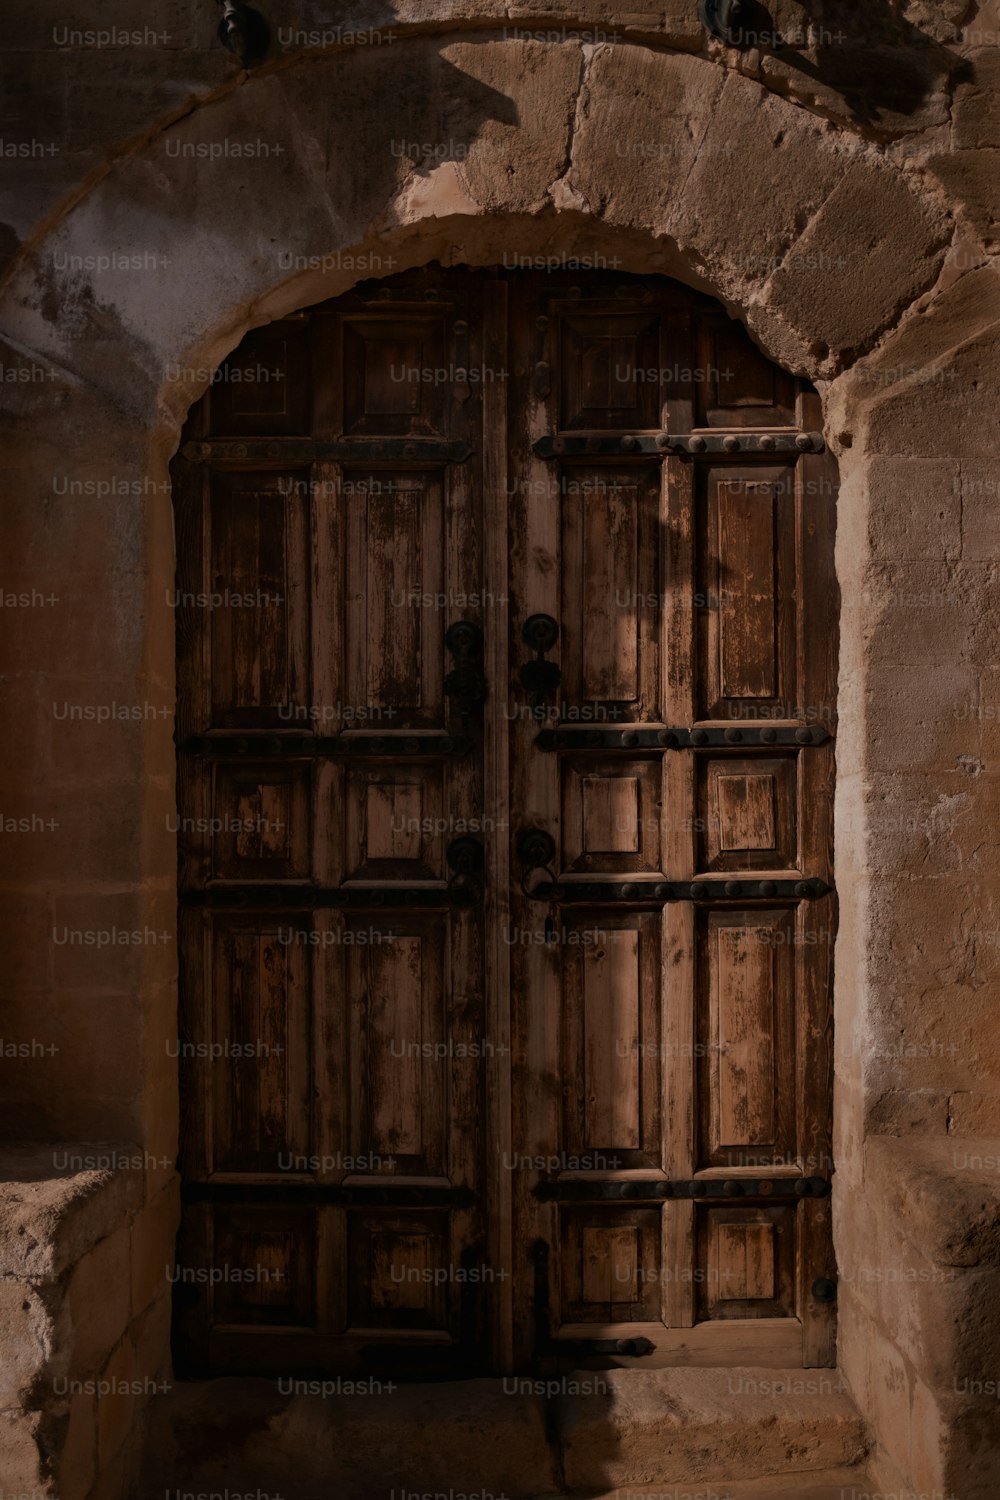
pixel 811 236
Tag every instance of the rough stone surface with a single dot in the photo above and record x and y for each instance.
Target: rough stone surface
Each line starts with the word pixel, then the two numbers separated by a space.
pixel 833 1484
pixel 701 1426
pixel 245 1434
pixel 839 195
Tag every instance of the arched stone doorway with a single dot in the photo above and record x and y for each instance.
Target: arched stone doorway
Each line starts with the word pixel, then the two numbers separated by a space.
pixel 838 281
pixel 507 626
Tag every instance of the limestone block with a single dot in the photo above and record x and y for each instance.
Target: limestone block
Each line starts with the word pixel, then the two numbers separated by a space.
pixel 977 102
pixel 26 1337
pixel 974 1114
pixel 757 149
pixel 954 1214
pixel 116 1402
pixel 863 257
pixel 99 1301
pixel 912 720
pixel 78 1460
pixel 914 509
pixel 508 110
pixel 154 1231
pixel 916 351
pixel 150 1335
pixel 468 1436
pixel 972 179
pixel 979 491
pixel 21 1463
pixel 641 126
pixel 705 1425
pixel 955 416
pixel 51 1217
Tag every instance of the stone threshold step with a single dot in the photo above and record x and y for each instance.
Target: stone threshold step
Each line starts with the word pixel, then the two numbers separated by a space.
pixel 591 1432
pixel 832 1484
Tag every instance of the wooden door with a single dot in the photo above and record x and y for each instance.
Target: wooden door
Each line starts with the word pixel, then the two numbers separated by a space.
pixel 505 1024
pixel 329 507
pixel 672 516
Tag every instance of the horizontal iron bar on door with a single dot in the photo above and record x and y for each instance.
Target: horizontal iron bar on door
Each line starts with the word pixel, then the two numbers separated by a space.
pixel 631 892
pixel 343 898
pixel 298 451
pixel 579 1190
pixel 332 746
pixel 614 445
pixel 361 1195
pixel 588 738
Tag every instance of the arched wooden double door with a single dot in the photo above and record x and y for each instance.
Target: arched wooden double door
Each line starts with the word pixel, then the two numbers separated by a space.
pixel 507 649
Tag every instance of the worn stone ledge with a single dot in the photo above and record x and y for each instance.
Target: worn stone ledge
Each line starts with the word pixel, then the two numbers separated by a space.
pixel 948 1211
pixel 50 1219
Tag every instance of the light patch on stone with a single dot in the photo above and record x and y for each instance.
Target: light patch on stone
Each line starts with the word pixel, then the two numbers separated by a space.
pixel 436 194
pixel 565 196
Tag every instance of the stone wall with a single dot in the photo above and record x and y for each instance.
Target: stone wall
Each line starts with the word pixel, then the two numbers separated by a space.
pixel 839 194
pixel 84 1250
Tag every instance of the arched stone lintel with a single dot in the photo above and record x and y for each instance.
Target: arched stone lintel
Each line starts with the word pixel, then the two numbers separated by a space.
pixel 459 147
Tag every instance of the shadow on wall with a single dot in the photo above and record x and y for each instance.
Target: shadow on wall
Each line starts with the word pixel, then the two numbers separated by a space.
pixel 525 1437
pixel 880 64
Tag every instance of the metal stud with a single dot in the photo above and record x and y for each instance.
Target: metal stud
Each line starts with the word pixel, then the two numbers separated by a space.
pixel 767 888
pixel 731 444
pixel 698 891
pixel 803 442
pixel 665 737
pixel 697 444
pixel 733 888
pixel 630 738
pixel 699 737
pixel 767 443
pixel 733 736
pixel 804 736
pixel 769 736
pixel 628 443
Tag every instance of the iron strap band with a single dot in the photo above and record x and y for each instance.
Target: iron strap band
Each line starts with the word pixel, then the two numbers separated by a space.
pixel 660 444
pixel 585 737
pixel 579 1190
pixel 631 892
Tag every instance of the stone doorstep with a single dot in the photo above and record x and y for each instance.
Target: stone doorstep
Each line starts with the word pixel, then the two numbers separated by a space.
pixel 685 1429
pixel 831 1484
